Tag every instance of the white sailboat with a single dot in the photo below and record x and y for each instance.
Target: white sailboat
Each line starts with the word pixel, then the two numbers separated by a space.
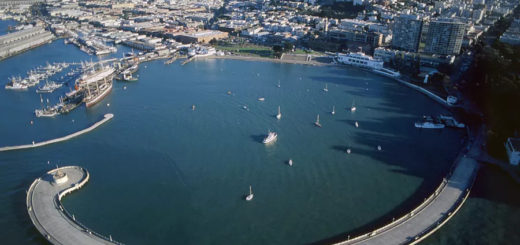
pixel 317 123
pixel 250 196
pixel 279 115
pixel 353 107
pixel 326 89
pixel 333 110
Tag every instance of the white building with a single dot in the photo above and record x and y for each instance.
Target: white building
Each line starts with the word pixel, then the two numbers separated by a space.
pixel 513 150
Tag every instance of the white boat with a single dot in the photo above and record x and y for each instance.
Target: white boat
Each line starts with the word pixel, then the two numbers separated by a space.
pixel 261 99
pixel 348 151
pixel 279 115
pixel 49 87
pixel 353 107
pixel 271 137
pixel 290 162
pixel 250 196
pixel 428 122
pixel 278 85
pixel 326 89
pixel 47 112
pixel 356 124
pixel 16 84
pixel 333 112
pixel 317 123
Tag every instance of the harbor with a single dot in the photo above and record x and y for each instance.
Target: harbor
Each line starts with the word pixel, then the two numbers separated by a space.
pixel 168 93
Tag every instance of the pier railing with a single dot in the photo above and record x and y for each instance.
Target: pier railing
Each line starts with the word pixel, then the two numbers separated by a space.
pixel 71 218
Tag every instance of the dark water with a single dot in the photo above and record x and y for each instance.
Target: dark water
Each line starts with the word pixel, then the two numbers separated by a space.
pixel 4 25
pixel 162 173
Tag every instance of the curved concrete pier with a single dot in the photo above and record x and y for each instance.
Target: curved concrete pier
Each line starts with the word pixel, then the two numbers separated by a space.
pixel 64 138
pixel 434 212
pixel 48 214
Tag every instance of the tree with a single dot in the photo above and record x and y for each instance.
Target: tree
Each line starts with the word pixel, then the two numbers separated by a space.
pixel 213 41
pixel 288 47
pixel 278 50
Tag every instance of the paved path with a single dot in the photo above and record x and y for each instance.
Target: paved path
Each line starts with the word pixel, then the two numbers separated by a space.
pixel 64 138
pixel 434 212
pixel 50 217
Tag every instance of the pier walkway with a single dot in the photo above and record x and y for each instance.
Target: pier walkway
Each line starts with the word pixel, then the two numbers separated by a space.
pixel 434 212
pixel 106 118
pixel 48 214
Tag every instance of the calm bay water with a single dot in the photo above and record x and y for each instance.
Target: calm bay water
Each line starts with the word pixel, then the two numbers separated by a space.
pixel 162 173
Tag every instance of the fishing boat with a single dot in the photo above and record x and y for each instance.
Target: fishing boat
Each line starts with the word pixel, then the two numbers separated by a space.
pixel 16 84
pixel 333 112
pixel 250 196
pixel 47 112
pixel 317 123
pixel 279 115
pixel 49 87
pixel 271 137
pixel 326 89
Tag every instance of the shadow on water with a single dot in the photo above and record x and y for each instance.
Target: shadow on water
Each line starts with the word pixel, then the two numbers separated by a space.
pixel 258 137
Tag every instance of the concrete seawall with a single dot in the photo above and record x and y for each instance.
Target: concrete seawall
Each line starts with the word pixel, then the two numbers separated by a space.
pixel 106 118
pixel 49 216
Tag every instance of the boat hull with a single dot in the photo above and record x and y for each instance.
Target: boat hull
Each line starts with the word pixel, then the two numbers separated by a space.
pixel 98 98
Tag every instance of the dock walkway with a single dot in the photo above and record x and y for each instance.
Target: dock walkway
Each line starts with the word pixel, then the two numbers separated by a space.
pixel 64 138
pixel 434 212
pixel 50 217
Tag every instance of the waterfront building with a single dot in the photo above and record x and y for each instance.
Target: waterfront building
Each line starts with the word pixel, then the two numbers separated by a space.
pixel 407 32
pixel 201 37
pixel 19 41
pixel 513 150
pixel 444 37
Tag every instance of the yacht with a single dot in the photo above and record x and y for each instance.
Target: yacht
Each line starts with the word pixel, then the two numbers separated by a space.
pixel 356 124
pixel 261 99
pixel 49 87
pixel 326 89
pixel 317 123
pixel 429 122
pixel 271 137
pixel 290 162
pixel 250 196
pixel 353 107
pixel 279 115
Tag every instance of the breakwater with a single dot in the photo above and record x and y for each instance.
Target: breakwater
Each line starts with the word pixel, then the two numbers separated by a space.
pixel 49 216
pixel 106 118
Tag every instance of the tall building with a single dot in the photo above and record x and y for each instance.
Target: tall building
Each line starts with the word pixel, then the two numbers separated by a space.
pixel 406 33
pixel 444 37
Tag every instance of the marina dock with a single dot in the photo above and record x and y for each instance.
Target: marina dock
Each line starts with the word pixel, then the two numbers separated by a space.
pixel 106 118
pixel 49 216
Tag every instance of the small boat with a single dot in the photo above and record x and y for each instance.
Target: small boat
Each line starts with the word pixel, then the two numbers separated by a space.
pixel 353 107
pixel 429 122
pixel 326 89
pixel 290 162
pixel 356 124
pixel 229 92
pixel 379 148
pixel 192 107
pixel 47 112
pixel 348 151
pixel 278 85
pixel 317 123
pixel 250 196
pixel 279 115
pixel 261 99
pixel 333 112
pixel 271 137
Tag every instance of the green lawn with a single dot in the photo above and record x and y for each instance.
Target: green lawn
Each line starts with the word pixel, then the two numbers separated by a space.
pixel 247 49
